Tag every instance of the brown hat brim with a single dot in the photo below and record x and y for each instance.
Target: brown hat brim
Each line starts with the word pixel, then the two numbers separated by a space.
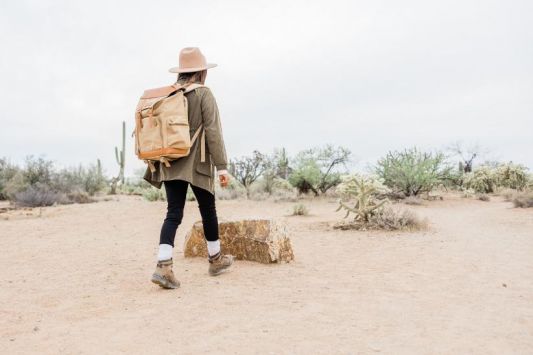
pixel 191 70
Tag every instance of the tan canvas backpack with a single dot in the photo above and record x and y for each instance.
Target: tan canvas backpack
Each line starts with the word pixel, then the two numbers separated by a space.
pixel 162 126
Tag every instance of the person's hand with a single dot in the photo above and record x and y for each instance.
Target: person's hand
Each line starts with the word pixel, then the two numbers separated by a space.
pixel 223 178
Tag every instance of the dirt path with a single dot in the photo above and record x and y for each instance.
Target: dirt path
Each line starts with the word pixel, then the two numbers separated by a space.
pixel 76 281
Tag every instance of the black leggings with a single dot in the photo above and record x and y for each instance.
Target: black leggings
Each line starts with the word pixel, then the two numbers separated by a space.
pixel 176 191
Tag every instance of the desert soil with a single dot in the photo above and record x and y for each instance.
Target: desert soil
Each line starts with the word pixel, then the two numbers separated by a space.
pixel 75 280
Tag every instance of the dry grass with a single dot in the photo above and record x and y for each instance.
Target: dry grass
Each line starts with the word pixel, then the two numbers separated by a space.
pixel 483 197
pixel 413 200
pixel 390 219
pixel 523 200
pixel 507 194
pixel 300 210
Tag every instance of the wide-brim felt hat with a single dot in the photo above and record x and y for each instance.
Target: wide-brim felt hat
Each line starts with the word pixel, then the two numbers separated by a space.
pixel 191 60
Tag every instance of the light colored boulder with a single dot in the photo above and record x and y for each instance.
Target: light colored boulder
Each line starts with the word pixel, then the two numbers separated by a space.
pixel 262 240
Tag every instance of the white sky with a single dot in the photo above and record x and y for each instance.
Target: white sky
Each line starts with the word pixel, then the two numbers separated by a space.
pixel 370 75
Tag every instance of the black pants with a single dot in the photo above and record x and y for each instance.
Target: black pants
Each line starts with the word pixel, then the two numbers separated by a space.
pixel 176 191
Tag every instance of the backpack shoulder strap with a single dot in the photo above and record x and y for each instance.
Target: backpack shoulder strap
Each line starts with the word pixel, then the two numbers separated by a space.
pixel 192 87
pixel 158 92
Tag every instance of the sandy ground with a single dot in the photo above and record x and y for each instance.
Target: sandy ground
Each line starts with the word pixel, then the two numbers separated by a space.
pixel 76 281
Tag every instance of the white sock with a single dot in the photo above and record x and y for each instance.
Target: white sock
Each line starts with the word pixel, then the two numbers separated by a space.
pixel 165 252
pixel 213 248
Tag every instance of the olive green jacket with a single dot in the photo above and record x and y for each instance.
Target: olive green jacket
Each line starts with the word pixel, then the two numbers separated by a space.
pixel 202 109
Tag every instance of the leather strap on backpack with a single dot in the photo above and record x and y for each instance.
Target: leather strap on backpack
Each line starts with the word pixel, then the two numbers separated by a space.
pixel 202 141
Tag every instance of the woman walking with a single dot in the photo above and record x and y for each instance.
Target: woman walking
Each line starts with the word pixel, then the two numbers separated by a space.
pixel 193 170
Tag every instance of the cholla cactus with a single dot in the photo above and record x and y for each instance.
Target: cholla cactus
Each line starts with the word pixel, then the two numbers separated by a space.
pixel 513 176
pixel 365 190
pixel 481 180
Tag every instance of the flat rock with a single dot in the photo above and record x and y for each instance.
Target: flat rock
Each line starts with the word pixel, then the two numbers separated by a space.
pixel 262 240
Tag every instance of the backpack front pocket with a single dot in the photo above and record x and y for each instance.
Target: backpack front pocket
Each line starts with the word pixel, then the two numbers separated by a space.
pixel 178 135
pixel 150 136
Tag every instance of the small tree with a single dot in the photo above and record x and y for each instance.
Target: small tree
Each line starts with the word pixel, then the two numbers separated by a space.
pixel 466 154
pixel 316 169
pixel 248 169
pixel 413 172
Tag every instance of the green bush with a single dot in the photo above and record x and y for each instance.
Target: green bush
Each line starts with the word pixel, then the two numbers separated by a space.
pixel 412 172
pixel 90 179
pixel 38 183
pixel 307 176
pixel 317 169
pixel 38 170
pixel 152 194
pixel 7 172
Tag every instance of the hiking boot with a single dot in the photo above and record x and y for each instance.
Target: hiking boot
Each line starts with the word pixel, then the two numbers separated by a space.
pixel 218 263
pixel 164 276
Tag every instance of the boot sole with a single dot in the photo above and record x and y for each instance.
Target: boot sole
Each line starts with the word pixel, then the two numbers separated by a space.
pixel 163 283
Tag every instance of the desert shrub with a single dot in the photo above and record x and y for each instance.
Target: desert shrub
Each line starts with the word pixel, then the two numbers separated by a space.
pixel 468 193
pixel 38 195
pixel 15 185
pixel 306 177
pixel 190 195
pixel 513 176
pixel 413 200
pixel 7 171
pixel 90 180
pixel 153 194
pixel 370 209
pixel 507 194
pixel 233 191
pixel 79 196
pixel 269 174
pixel 38 183
pixel 135 185
pixel 387 218
pixel 483 197
pixel 413 172
pixel 492 176
pixel 38 170
pixel 283 189
pixel 523 199
pixel 285 195
pixel 300 210
pixel 481 180
pixel 131 189
pixel 365 190
pixel 317 169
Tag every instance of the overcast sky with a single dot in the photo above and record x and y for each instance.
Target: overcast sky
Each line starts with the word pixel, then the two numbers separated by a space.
pixel 372 75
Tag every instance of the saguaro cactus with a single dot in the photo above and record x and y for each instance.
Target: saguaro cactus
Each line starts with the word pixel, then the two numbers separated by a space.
pixel 121 161
pixel 121 156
